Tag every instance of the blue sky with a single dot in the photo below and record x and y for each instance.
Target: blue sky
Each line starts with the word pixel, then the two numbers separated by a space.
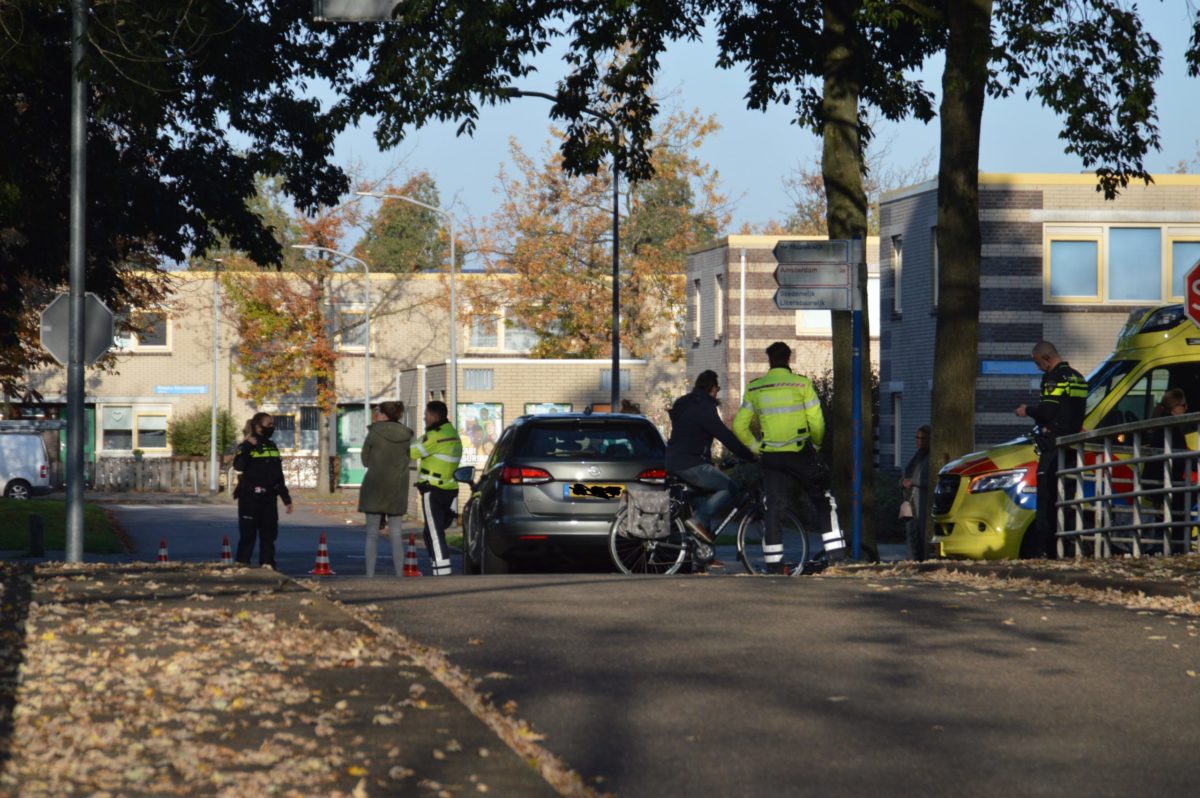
pixel 753 151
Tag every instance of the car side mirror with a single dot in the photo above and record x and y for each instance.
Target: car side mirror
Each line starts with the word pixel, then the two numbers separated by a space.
pixel 465 474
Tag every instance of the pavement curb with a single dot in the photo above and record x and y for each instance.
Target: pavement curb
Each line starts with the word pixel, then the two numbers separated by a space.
pixel 1063 577
pixel 514 732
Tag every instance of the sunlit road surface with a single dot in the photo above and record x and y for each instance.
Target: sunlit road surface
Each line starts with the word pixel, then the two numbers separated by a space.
pixel 822 686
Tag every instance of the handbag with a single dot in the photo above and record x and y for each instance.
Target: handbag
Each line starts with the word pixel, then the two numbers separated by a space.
pixel 906 509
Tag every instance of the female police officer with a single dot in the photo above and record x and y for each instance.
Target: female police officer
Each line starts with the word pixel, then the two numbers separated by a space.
pixel 261 482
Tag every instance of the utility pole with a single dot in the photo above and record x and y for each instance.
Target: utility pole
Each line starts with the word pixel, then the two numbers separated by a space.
pixel 77 286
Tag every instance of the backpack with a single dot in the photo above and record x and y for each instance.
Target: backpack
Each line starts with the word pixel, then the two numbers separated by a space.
pixel 647 512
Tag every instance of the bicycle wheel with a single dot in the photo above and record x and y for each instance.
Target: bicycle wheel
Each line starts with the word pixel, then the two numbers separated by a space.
pixel 638 556
pixel 750 542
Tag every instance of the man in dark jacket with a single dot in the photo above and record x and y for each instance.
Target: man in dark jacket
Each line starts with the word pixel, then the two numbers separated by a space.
pixel 694 424
pixel 258 491
pixel 1060 412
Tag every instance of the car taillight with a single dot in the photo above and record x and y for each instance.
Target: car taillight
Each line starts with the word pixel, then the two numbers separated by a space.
pixel 653 476
pixel 518 475
pixel 43 472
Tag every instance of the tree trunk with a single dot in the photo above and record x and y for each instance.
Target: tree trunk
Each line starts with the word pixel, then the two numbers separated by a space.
pixel 956 361
pixel 846 199
pixel 325 388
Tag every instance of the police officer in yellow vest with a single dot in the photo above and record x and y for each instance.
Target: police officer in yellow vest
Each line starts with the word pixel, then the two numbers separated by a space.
pixel 438 453
pixel 793 427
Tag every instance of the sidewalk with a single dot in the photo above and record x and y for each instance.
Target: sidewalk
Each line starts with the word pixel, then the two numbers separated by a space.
pixel 202 680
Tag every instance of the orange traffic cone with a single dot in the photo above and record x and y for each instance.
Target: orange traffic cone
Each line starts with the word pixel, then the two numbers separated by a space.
pixel 162 550
pixel 322 567
pixel 410 557
pixel 226 552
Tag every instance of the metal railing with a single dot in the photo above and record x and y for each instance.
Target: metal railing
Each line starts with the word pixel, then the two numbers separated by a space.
pixel 1111 498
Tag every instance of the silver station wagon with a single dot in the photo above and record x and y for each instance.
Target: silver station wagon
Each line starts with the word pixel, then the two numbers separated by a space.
pixel 551 485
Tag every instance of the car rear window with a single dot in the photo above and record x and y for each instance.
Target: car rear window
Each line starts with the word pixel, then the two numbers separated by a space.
pixel 593 440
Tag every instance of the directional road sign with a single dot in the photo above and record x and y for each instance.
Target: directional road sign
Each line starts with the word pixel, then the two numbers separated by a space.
pixel 815 275
pixel 791 298
pixel 97 328
pixel 836 251
pixel 1191 293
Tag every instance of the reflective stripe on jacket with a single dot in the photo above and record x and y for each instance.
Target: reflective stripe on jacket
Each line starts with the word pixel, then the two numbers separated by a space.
pixel 788 412
pixel 438 453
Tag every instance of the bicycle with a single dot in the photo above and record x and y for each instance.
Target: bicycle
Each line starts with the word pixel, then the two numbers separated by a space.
pixel 666 556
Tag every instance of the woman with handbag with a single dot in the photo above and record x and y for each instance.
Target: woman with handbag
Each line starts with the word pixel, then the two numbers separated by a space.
pixel 914 509
pixel 384 491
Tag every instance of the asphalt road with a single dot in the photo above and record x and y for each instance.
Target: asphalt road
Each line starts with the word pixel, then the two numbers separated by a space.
pixel 194 533
pixel 734 686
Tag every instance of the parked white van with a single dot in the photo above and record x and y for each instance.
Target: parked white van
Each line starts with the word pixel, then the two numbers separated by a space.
pixel 24 465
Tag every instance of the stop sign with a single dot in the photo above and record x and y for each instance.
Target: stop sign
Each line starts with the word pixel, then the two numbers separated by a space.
pixel 97 328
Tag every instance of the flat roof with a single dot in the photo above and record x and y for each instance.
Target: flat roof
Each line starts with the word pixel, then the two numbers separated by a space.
pixel 761 241
pixel 1037 179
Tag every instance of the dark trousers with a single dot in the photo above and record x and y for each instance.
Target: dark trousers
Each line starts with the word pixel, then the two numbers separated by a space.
pixel 437 505
pixel 1042 538
pixel 258 519
pixel 794 474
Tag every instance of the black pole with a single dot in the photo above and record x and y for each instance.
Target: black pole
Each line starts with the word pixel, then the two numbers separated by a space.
pixel 616 281
pixel 75 422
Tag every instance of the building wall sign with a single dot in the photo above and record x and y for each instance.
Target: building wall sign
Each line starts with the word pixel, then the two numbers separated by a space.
pixel 180 389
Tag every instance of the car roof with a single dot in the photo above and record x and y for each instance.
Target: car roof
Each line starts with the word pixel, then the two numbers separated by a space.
pixel 527 419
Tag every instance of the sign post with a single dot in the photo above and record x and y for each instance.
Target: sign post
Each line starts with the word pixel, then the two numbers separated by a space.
pixel 821 275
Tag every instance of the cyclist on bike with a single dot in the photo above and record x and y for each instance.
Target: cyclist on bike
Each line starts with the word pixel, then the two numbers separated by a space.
pixel 789 415
pixel 694 424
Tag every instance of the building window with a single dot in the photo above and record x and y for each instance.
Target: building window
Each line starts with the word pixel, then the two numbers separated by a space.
pixel 116 432
pixel 696 319
pixel 477 379
pixel 484 332
pixel 1121 265
pixel 124 428
pixel 933 265
pixel 1184 254
pixel 719 309
pixel 1074 269
pixel 606 380
pixel 1135 264
pixel 310 428
pixel 897 272
pixel 353 335
pixel 285 431
pixel 151 431
pixel 152 332
pixel 518 337
pixel 897 430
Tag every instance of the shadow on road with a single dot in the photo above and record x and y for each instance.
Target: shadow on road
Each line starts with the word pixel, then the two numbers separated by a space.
pixel 16 591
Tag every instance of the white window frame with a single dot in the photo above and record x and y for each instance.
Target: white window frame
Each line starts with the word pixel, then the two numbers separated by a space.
pixel 697 298
pixel 343 346
pixel 719 308
pixel 897 429
pixel 898 272
pixel 498 320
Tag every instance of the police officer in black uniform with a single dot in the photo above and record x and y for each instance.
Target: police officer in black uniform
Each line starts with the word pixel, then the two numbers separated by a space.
pixel 259 487
pixel 1059 412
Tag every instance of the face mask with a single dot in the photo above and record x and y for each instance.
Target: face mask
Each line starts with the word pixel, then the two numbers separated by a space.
pixel 266 433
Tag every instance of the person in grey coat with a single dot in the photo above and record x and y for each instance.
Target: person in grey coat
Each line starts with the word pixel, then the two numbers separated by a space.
pixel 384 489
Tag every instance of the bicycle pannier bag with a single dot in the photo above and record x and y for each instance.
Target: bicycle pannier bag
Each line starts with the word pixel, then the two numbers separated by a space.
pixel 647 512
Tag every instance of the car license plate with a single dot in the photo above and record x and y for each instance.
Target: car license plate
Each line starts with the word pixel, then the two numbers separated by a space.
pixel 591 490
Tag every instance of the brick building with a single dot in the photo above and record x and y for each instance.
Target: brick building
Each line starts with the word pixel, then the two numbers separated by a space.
pixel 166 371
pixel 721 338
pixel 1059 263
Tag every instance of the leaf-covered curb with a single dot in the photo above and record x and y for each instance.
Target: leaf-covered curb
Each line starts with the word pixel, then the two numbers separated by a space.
pixel 517 733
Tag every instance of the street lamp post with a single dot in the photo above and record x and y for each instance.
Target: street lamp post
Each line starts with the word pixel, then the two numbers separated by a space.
pixel 213 485
pixel 367 352
pixel 452 382
pixel 616 251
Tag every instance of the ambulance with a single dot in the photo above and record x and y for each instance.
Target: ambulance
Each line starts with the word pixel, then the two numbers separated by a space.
pixel 985 502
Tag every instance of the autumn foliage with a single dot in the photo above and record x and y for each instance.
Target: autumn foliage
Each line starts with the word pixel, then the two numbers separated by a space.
pixel 552 237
